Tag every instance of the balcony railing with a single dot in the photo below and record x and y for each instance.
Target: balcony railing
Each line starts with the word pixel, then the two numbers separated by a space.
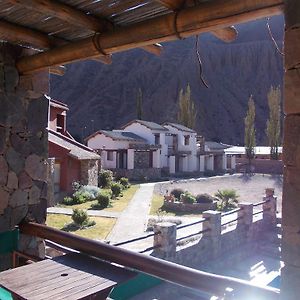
pixel 168 271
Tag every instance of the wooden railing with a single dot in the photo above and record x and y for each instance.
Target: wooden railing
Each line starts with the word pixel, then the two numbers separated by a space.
pixel 168 271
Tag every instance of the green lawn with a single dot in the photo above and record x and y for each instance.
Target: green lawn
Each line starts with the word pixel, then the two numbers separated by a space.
pixel 99 231
pixel 116 205
pixel 158 209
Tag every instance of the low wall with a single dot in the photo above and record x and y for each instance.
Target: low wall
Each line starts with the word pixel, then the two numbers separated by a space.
pixel 138 174
pixel 265 166
pixel 186 207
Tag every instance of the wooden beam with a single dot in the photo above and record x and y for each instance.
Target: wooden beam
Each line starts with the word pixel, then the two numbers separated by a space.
pixel 155 49
pixel 66 13
pixel 58 70
pixel 107 59
pixel 172 4
pixel 227 34
pixel 206 17
pixel 18 34
pixel 72 16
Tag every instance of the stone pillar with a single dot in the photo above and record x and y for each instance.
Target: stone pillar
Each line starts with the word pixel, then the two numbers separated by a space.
pixel 50 182
pixel 156 159
pixel 172 164
pixel 89 171
pixel 130 159
pixel 23 147
pixel 185 164
pixel 290 288
pixel 270 208
pixel 214 225
pixel 246 214
pixel 165 239
pixel 202 163
pixel 233 162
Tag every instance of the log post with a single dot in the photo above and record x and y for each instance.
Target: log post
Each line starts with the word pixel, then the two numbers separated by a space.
pixel 290 287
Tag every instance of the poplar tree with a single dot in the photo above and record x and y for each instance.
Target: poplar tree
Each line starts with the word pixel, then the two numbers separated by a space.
pixel 139 105
pixel 273 123
pixel 187 111
pixel 250 130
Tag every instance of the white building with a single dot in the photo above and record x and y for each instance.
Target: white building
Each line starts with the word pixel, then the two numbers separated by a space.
pixel 182 148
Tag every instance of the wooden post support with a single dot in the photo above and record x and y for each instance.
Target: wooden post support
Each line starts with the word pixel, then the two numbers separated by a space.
pixel 290 275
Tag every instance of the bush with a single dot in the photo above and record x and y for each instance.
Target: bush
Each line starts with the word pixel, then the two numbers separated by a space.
pixel 76 186
pixel 90 190
pixel 204 198
pixel 177 193
pixel 124 182
pixel 187 197
pixel 68 201
pixel 81 197
pixel 116 189
pixel 103 199
pixel 228 199
pixel 105 178
pixel 80 217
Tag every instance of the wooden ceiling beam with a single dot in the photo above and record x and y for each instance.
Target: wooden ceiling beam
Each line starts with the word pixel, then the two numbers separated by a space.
pixel 228 34
pixel 58 70
pixel 155 49
pixel 71 15
pixel 206 17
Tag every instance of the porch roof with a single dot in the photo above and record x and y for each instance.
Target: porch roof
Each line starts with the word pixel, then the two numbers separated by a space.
pixel 76 150
pixel 72 30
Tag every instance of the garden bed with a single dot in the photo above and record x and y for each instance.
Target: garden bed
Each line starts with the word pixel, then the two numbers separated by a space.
pixel 188 207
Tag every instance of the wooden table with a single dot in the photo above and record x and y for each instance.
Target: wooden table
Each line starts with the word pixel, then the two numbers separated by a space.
pixel 72 276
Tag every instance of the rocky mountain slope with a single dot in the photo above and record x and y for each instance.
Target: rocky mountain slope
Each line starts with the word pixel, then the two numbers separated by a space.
pixel 104 96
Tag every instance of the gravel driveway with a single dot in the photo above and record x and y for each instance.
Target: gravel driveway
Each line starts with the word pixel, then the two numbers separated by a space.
pixel 250 188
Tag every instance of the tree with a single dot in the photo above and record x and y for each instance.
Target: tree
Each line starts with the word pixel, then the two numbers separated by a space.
pixel 139 105
pixel 228 198
pixel 273 123
pixel 187 111
pixel 250 129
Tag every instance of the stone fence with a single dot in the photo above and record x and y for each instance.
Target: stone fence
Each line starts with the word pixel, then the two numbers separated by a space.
pixel 220 234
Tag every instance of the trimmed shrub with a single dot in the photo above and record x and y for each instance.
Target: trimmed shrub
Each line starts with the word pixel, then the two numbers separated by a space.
pixel 188 198
pixel 116 189
pixel 105 178
pixel 81 197
pixel 90 190
pixel 80 217
pixel 103 199
pixel 177 193
pixel 204 198
pixel 68 201
pixel 125 182
pixel 228 199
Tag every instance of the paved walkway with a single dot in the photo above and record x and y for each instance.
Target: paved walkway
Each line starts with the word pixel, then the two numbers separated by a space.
pixel 91 213
pixel 133 220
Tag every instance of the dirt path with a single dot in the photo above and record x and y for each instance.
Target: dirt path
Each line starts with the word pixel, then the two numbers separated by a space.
pixel 250 188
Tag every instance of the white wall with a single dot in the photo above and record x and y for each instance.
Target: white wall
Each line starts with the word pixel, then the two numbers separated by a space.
pixel 100 141
pixel 108 164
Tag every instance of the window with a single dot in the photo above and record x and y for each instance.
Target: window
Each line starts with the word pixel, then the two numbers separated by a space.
pixel 110 155
pixel 157 139
pixel 186 140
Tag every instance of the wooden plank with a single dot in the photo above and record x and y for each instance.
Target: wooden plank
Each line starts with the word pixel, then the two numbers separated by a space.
pixel 172 4
pixel 65 13
pixel 202 18
pixel 155 49
pixel 58 70
pixel 227 34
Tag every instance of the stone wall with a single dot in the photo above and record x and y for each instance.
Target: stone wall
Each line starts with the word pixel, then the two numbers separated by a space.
pixel 89 172
pixel 236 241
pixel 142 159
pixel 139 174
pixel 265 166
pixel 23 147
pixel 186 207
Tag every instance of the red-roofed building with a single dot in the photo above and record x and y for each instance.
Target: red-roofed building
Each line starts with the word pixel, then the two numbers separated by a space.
pixel 73 161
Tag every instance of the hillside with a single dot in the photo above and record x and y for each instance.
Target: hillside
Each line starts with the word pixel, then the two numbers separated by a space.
pixel 104 96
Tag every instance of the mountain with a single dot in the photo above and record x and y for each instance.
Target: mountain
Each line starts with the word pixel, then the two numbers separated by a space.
pixel 104 96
